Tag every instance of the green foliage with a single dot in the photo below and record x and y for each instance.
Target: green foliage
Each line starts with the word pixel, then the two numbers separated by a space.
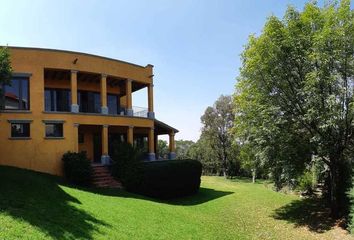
pixel 351 208
pixel 216 134
pixel 162 149
pixel 306 183
pixel 77 168
pixel 5 66
pixel 203 152
pixel 5 70
pixel 183 148
pixel 167 179
pixel 125 163
pixel 295 94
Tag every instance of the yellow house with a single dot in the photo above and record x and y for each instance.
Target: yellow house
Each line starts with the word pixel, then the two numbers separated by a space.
pixel 63 101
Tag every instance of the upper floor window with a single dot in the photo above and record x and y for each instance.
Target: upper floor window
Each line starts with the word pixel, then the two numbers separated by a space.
pixel 57 100
pixel 113 104
pixel 16 96
pixel 89 102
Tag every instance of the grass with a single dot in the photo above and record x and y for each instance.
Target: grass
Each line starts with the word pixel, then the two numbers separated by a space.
pixel 38 206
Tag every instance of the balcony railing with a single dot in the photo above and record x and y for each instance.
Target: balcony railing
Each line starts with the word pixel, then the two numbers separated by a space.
pixel 137 111
pixel 140 112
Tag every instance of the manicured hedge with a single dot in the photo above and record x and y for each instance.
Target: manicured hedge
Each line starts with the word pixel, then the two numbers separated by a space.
pixel 77 168
pixel 166 179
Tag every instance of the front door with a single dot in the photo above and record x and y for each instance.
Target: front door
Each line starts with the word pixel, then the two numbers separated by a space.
pixel 97 147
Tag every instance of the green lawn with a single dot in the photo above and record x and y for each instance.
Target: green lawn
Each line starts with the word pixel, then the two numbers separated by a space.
pixel 37 206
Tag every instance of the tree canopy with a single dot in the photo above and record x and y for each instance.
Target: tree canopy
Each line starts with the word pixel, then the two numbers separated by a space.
pixel 294 96
pixel 5 70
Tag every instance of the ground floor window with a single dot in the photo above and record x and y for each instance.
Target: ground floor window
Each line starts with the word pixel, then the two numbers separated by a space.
pixel 54 130
pixel 20 130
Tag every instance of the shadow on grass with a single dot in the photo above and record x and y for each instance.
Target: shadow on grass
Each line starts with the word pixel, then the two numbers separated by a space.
pixel 38 200
pixel 204 195
pixel 312 213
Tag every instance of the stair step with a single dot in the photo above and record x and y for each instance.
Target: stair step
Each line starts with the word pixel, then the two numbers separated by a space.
pixel 100 170
pixel 104 181
pixel 102 174
pixel 103 178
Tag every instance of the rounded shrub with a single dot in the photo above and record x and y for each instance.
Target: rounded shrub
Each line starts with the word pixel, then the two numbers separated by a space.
pixel 77 168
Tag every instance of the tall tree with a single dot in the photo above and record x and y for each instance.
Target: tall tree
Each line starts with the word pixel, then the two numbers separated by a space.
pixel 301 73
pixel 217 123
pixel 5 70
pixel 203 152
pixel 182 148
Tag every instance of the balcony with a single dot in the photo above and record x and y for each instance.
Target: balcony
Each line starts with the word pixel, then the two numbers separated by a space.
pixel 91 93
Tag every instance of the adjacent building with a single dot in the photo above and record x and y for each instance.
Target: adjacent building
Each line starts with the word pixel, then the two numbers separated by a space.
pixel 63 101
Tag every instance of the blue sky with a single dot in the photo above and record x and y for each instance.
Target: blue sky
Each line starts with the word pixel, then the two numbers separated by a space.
pixel 195 46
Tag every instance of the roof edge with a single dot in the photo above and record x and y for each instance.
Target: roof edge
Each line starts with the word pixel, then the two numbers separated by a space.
pixel 166 125
pixel 75 52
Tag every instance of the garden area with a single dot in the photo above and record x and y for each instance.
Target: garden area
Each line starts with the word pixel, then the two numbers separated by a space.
pixel 39 206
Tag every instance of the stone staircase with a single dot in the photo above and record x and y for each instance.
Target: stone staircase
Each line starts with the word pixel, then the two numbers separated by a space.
pixel 103 178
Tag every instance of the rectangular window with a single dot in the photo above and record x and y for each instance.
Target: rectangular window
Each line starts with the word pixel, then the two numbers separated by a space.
pixel 113 104
pixel 54 130
pixel 17 94
pixel 57 100
pixel 89 102
pixel 20 130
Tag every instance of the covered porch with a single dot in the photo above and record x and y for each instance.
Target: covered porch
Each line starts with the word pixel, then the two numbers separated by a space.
pixel 98 140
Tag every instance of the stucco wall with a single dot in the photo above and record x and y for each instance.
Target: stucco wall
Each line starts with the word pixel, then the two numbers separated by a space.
pixel 42 154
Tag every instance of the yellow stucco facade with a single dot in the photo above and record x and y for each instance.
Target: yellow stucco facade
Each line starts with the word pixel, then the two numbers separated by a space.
pixel 75 72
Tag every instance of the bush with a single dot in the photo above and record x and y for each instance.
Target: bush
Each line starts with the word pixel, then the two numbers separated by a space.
pixel 166 179
pixel 125 162
pixel 306 184
pixel 77 168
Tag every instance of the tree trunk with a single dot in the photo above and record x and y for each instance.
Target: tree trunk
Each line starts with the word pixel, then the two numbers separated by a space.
pixel 224 167
pixel 333 178
pixel 253 175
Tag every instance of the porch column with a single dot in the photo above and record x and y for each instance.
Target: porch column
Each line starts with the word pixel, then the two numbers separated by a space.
pixel 172 154
pixel 130 135
pixel 151 113
pixel 76 137
pixel 105 157
pixel 73 81
pixel 128 90
pixel 151 138
pixel 104 108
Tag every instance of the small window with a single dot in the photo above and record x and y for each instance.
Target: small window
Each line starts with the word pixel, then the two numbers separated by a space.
pixel 20 130
pixel 54 130
pixel 81 138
